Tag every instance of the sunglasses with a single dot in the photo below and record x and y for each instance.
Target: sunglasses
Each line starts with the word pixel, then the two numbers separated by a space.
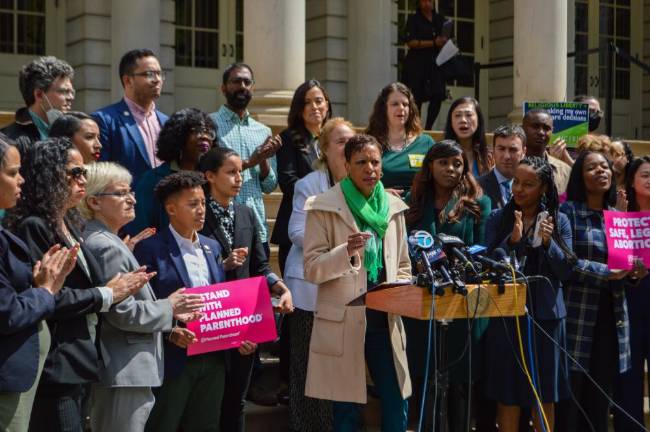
pixel 77 172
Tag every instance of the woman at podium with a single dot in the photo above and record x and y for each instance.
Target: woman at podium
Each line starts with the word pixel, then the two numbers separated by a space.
pixel 355 238
pixel 513 229
pixel 446 198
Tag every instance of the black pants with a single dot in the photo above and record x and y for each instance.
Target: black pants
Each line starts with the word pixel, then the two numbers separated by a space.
pixel 238 376
pixel 57 408
pixel 432 111
pixel 603 368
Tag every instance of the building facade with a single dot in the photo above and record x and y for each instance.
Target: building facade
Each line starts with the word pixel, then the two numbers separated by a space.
pixel 352 46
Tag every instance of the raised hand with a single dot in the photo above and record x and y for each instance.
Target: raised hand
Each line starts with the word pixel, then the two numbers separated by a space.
pixel 236 258
pixel 357 241
pixel 185 303
pixel 546 227
pixel 144 234
pixel 126 284
pixel 517 228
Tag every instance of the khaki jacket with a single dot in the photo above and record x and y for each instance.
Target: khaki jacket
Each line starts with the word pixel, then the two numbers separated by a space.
pixel 337 367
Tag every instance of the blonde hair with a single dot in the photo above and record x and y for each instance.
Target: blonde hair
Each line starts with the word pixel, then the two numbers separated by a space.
pixel 595 143
pixel 324 138
pixel 100 176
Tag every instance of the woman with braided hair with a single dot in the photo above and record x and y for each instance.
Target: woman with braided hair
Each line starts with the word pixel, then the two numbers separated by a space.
pixel 512 229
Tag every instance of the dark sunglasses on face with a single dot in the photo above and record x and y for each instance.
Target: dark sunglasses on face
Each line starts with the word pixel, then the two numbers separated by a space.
pixel 77 172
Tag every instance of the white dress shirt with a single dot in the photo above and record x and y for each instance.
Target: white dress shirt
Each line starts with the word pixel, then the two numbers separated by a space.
pixel 194 258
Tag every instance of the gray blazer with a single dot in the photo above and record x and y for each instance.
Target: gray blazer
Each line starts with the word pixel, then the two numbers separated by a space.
pixel 131 332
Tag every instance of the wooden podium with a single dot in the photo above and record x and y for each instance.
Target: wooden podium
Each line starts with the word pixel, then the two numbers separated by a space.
pixel 482 300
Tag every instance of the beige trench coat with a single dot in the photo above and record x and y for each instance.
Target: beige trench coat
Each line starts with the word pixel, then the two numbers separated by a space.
pixel 337 368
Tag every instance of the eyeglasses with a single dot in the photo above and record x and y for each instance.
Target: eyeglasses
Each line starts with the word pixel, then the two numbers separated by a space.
pixel 208 133
pixel 77 172
pixel 151 75
pixel 66 92
pixel 239 81
pixel 119 194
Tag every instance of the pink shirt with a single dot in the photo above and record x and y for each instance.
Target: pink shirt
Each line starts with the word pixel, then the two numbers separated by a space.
pixel 149 128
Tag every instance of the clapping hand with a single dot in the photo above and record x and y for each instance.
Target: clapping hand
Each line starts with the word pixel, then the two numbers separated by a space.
pixel 145 233
pixel 183 304
pixel 621 200
pixel 51 270
pixel 546 230
pixel 517 229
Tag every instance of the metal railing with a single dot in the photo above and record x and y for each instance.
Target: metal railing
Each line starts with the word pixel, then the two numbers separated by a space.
pixel 611 51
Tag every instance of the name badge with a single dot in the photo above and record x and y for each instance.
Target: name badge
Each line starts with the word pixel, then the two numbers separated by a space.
pixel 415 160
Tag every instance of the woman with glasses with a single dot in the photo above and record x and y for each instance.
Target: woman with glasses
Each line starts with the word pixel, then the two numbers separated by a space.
pixel 131 336
pixel 184 139
pixel 82 130
pixel 44 216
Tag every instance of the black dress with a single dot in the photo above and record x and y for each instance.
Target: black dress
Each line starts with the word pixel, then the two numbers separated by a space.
pixel 421 74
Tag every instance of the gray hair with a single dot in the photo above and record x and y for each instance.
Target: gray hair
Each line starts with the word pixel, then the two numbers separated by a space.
pixel 100 176
pixel 507 131
pixel 40 74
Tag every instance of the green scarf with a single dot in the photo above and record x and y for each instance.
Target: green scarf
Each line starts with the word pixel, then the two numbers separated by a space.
pixel 371 215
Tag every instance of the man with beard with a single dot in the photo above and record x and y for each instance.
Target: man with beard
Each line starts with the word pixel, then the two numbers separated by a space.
pixel 129 129
pixel 538 126
pixel 252 140
pixel 46 86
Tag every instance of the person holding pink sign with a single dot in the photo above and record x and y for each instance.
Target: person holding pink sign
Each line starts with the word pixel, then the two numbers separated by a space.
pixel 598 332
pixel 357 239
pixel 628 388
pixel 190 397
pixel 234 226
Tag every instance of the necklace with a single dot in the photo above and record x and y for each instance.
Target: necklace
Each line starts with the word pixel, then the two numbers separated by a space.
pixel 402 147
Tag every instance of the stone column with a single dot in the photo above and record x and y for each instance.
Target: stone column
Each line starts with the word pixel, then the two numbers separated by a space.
pixel 274 46
pixel 134 24
pixel 540 53
pixel 371 55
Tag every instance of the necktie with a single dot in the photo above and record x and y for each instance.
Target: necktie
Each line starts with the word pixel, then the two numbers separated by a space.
pixel 507 191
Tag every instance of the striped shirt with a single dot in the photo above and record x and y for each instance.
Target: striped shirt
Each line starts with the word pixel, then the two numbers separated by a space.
pixel 589 281
pixel 244 135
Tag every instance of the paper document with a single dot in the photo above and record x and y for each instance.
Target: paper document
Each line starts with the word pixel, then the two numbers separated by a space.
pixel 448 51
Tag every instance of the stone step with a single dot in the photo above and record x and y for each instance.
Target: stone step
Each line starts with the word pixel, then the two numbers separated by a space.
pixel 272 203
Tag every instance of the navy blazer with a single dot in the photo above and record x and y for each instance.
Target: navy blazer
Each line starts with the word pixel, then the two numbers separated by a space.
pixel 121 139
pixel 544 301
pixel 492 188
pixel 160 253
pixel 22 307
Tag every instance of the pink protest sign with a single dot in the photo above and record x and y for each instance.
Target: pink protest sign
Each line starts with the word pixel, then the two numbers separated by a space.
pixel 233 312
pixel 628 238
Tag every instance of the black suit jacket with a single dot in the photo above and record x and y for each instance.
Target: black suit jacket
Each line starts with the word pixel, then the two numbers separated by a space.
pixel 22 307
pixel 491 188
pixel 73 357
pixel 246 235
pixel 293 164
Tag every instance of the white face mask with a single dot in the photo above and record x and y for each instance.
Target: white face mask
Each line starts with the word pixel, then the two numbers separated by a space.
pixel 52 114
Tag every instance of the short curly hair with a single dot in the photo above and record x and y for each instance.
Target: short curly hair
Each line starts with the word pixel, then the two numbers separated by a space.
pixel 46 189
pixel 40 74
pixel 177 182
pixel 177 129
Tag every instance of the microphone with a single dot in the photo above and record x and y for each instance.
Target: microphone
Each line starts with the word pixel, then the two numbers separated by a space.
pixel 453 245
pixel 492 264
